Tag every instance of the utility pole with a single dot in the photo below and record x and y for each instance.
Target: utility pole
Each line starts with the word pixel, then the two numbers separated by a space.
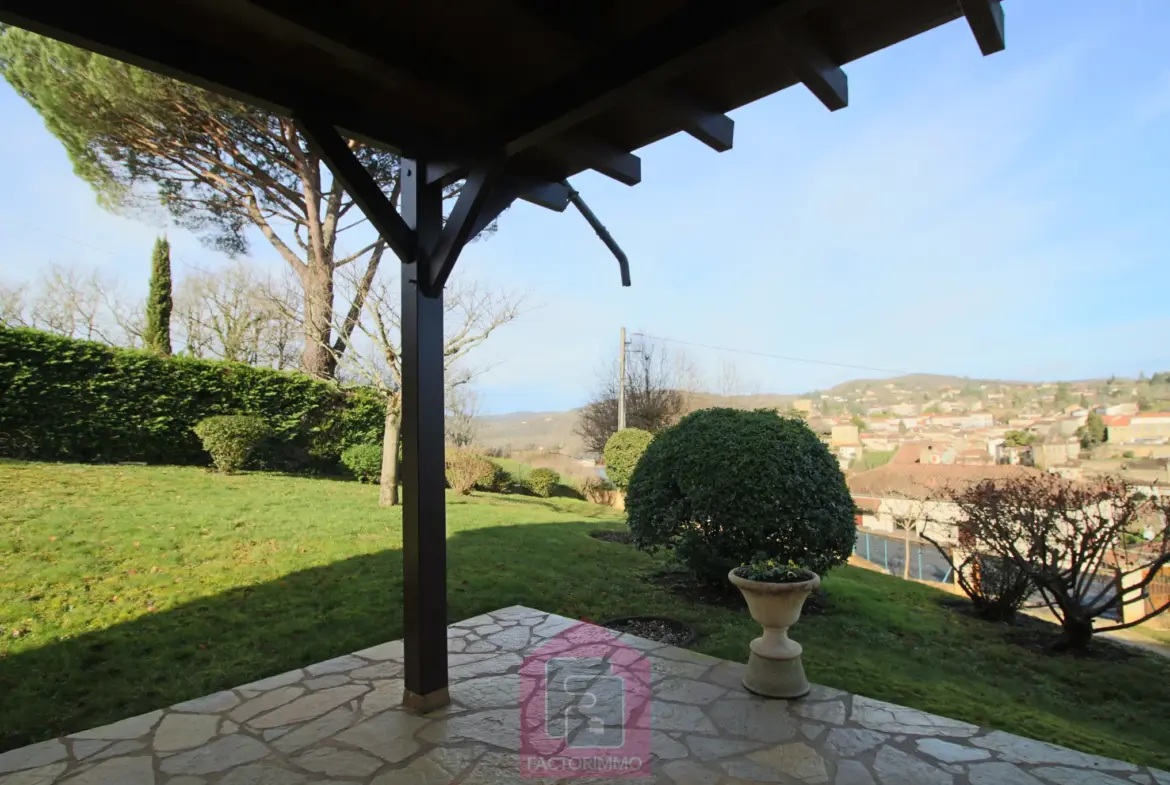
pixel 622 383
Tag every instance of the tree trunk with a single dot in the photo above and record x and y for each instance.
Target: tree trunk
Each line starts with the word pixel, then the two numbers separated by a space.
pixel 388 490
pixel 1078 632
pixel 316 358
pixel 906 556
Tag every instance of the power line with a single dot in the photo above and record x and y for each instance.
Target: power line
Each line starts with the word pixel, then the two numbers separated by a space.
pixel 775 356
pixel 26 225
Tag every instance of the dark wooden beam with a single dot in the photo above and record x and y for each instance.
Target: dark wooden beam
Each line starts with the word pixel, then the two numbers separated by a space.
pixel 345 166
pixel 815 69
pixel 183 55
pixel 714 129
pixel 550 196
pixel 403 54
pixel 581 24
pixel 424 517
pixel 606 159
pixel 986 20
pixel 445 173
pixel 500 199
pixel 577 21
pixel 641 61
pixel 461 224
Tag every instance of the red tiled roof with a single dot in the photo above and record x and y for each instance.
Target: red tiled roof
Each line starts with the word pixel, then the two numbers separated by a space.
pixel 911 452
pixel 925 480
pixel 869 504
pixel 1115 419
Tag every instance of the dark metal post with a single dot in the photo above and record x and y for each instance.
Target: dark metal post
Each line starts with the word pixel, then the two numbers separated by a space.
pixel 424 520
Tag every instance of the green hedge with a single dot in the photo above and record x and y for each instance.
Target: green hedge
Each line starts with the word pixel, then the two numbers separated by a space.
pixel 62 399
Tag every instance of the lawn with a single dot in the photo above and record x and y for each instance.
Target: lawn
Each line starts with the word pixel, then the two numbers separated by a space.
pixel 126 588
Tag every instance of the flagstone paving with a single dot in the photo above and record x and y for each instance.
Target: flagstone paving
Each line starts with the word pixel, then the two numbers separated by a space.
pixel 341 721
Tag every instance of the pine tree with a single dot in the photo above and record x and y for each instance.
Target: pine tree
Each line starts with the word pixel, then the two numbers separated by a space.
pixel 157 334
pixel 220 167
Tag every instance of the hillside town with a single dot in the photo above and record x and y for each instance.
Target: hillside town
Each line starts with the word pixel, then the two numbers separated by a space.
pixel 1074 429
pixel 904 443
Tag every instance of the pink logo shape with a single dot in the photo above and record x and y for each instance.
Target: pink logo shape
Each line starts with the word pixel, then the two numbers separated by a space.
pixel 585 707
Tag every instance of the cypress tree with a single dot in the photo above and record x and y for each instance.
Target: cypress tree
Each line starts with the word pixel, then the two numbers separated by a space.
pixel 157 334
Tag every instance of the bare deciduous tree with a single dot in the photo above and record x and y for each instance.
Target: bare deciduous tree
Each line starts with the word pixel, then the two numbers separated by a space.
pixel 129 316
pixel 64 301
pixel 232 314
pixel 654 398
pixel 372 352
pixel 71 304
pixel 1067 537
pixel 909 515
pixel 727 382
pixel 12 305
pixel 687 380
pixel 462 415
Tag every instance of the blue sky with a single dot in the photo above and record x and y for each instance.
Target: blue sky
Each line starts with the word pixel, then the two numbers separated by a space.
pixel 1004 217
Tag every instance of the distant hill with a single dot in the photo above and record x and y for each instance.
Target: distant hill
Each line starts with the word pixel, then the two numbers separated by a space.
pixel 553 431
pixel 920 381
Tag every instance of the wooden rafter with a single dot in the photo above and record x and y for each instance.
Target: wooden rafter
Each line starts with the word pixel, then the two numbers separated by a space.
pixel 986 20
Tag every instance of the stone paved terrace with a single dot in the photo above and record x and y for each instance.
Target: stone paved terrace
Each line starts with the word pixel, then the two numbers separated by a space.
pixel 340 722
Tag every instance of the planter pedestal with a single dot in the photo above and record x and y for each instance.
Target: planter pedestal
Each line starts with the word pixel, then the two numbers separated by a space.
pixel 775 674
pixel 774 668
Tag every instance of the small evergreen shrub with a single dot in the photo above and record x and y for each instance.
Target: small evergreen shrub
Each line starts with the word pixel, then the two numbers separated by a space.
pixel 598 490
pixel 725 487
pixel 230 438
pixel 542 482
pixel 496 480
pixel 465 469
pixel 622 452
pixel 364 461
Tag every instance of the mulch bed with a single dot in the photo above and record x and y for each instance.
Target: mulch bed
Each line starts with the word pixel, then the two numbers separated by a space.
pixel 683 585
pixel 668 631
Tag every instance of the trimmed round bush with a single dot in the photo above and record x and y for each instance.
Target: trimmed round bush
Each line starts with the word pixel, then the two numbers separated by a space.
pixel 542 482
pixel 466 469
pixel 622 452
pixel 230 438
pixel 364 461
pixel 726 487
pixel 495 480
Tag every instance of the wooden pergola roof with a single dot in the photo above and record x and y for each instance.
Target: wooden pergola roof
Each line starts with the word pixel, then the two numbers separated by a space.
pixel 553 86
pixel 510 96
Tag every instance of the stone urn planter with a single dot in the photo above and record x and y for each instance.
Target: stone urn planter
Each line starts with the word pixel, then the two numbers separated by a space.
pixel 775 597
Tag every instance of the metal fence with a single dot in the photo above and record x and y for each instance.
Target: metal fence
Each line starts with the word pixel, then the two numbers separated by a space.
pixel 888 551
pixel 1158 594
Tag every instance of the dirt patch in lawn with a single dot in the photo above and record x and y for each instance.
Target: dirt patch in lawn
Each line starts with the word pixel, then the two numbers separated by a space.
pixel 655 628
pixel 682 584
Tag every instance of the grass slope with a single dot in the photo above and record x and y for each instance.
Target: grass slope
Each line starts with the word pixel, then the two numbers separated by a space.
pixel 123 589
